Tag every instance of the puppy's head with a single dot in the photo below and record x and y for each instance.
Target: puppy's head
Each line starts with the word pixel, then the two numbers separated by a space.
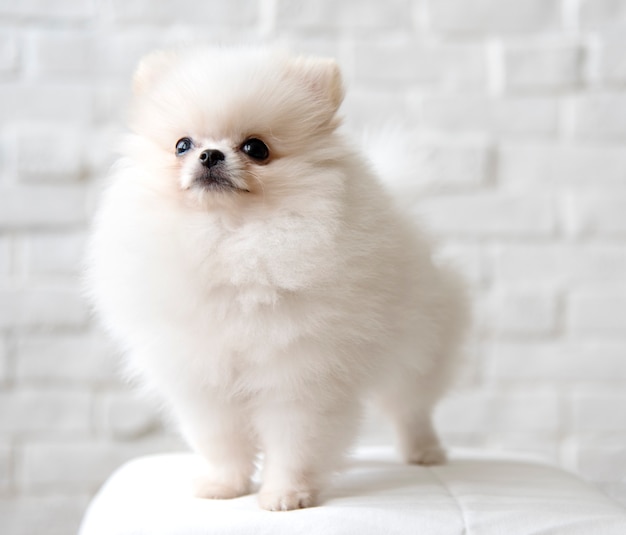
pixel 229 127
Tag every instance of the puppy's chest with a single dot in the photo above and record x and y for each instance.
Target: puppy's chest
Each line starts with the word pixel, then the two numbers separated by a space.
pixel 241 291
pixel 224 261
pixel 241 337
pixel 235 311
pixel 254 258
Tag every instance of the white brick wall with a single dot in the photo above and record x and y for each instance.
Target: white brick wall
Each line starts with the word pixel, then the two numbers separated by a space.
pixel 51 514
pixel 532 361
pixel 541 66
pixel 610 67
pixel 600 116
pixel 41 206
pixel 64 358
pixel 572 166
pixel 600 14
pixel 518 115
pixel 32 411
pixel 494 16
pixel 536 116
pixel 78 467
pixel 490 213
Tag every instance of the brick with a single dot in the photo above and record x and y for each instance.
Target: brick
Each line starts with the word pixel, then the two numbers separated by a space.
pixel 55 253
pixel 63 54
pixel 81 466
pixel 598 312
pixel 541 67
pixel 42 307
pixel 365 107
pixel 71 10
pixel 71 467
pixel 600 116
pixel 313 44
pixel 4 360
pixel 556 361
pixel 506 116
pixel 559 265
pixel 349 14
pixel 601 412
pixel 77 358
pixel 62 102
pixel 521 312
pixel 110 105
pixel 405 61
pixel 36 206
pixel 8 52
pixel 494 15
pixel 522 166
pixel 107 139
pixel 49 153
pixel 51 412
pixel 610 67
pixel 486 413
pixel 6 467
pixel 5 256
pixel 234 13
pixel 52 515
pixel 119 54
pixel 595 14
pixel 127 416
pixel 489 215
pixel 464 413
pixel 589 215
pixel 454 167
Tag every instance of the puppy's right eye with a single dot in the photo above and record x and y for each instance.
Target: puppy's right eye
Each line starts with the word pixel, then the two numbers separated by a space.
pixel 256 149
pixel 183 145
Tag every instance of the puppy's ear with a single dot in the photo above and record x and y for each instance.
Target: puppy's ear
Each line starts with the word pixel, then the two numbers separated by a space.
pixel 323 77
pixel 149 69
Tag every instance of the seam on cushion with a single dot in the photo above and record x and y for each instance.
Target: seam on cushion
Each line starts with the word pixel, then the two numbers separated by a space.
pixel 442 482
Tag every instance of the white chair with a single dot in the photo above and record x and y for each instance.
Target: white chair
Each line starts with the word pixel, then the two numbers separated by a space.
pixel 376 495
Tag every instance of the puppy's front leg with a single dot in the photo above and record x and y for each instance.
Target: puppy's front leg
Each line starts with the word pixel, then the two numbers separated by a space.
pixel 304 444
pixel 220 433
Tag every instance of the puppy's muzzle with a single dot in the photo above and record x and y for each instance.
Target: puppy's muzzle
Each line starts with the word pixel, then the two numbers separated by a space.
pixel 213 173
pixel 211 157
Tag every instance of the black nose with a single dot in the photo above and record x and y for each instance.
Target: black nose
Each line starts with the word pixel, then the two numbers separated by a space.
pixel 211 157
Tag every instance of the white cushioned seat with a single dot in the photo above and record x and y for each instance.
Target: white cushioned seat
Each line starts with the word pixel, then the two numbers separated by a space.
pixel 376 495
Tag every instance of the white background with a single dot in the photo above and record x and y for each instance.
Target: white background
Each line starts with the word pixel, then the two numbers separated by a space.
pixel 519 112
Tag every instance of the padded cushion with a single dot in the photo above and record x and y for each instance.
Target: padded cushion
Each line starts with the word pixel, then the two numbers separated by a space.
pixel 377 495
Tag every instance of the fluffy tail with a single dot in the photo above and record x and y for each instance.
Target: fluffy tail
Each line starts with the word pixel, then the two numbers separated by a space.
pixel 399 161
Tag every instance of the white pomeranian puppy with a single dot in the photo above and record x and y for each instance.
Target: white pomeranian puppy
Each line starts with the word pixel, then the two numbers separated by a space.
pixel 262 279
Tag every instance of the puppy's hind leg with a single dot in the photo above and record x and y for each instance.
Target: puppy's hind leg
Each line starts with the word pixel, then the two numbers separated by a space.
pixel 409 402
pixel 418 441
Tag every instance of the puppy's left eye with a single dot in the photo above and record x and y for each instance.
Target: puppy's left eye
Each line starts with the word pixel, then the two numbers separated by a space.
pixel 183 145
pixel 256 149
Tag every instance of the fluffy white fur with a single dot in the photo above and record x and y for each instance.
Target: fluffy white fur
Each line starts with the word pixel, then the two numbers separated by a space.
pixel 265 313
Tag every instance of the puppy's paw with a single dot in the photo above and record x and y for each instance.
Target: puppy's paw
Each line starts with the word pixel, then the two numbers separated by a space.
pixel 427 456
pixel 287 500
pixel 207 488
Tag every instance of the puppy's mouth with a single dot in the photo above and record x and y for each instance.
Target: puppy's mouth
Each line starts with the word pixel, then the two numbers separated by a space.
pixel 215 178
